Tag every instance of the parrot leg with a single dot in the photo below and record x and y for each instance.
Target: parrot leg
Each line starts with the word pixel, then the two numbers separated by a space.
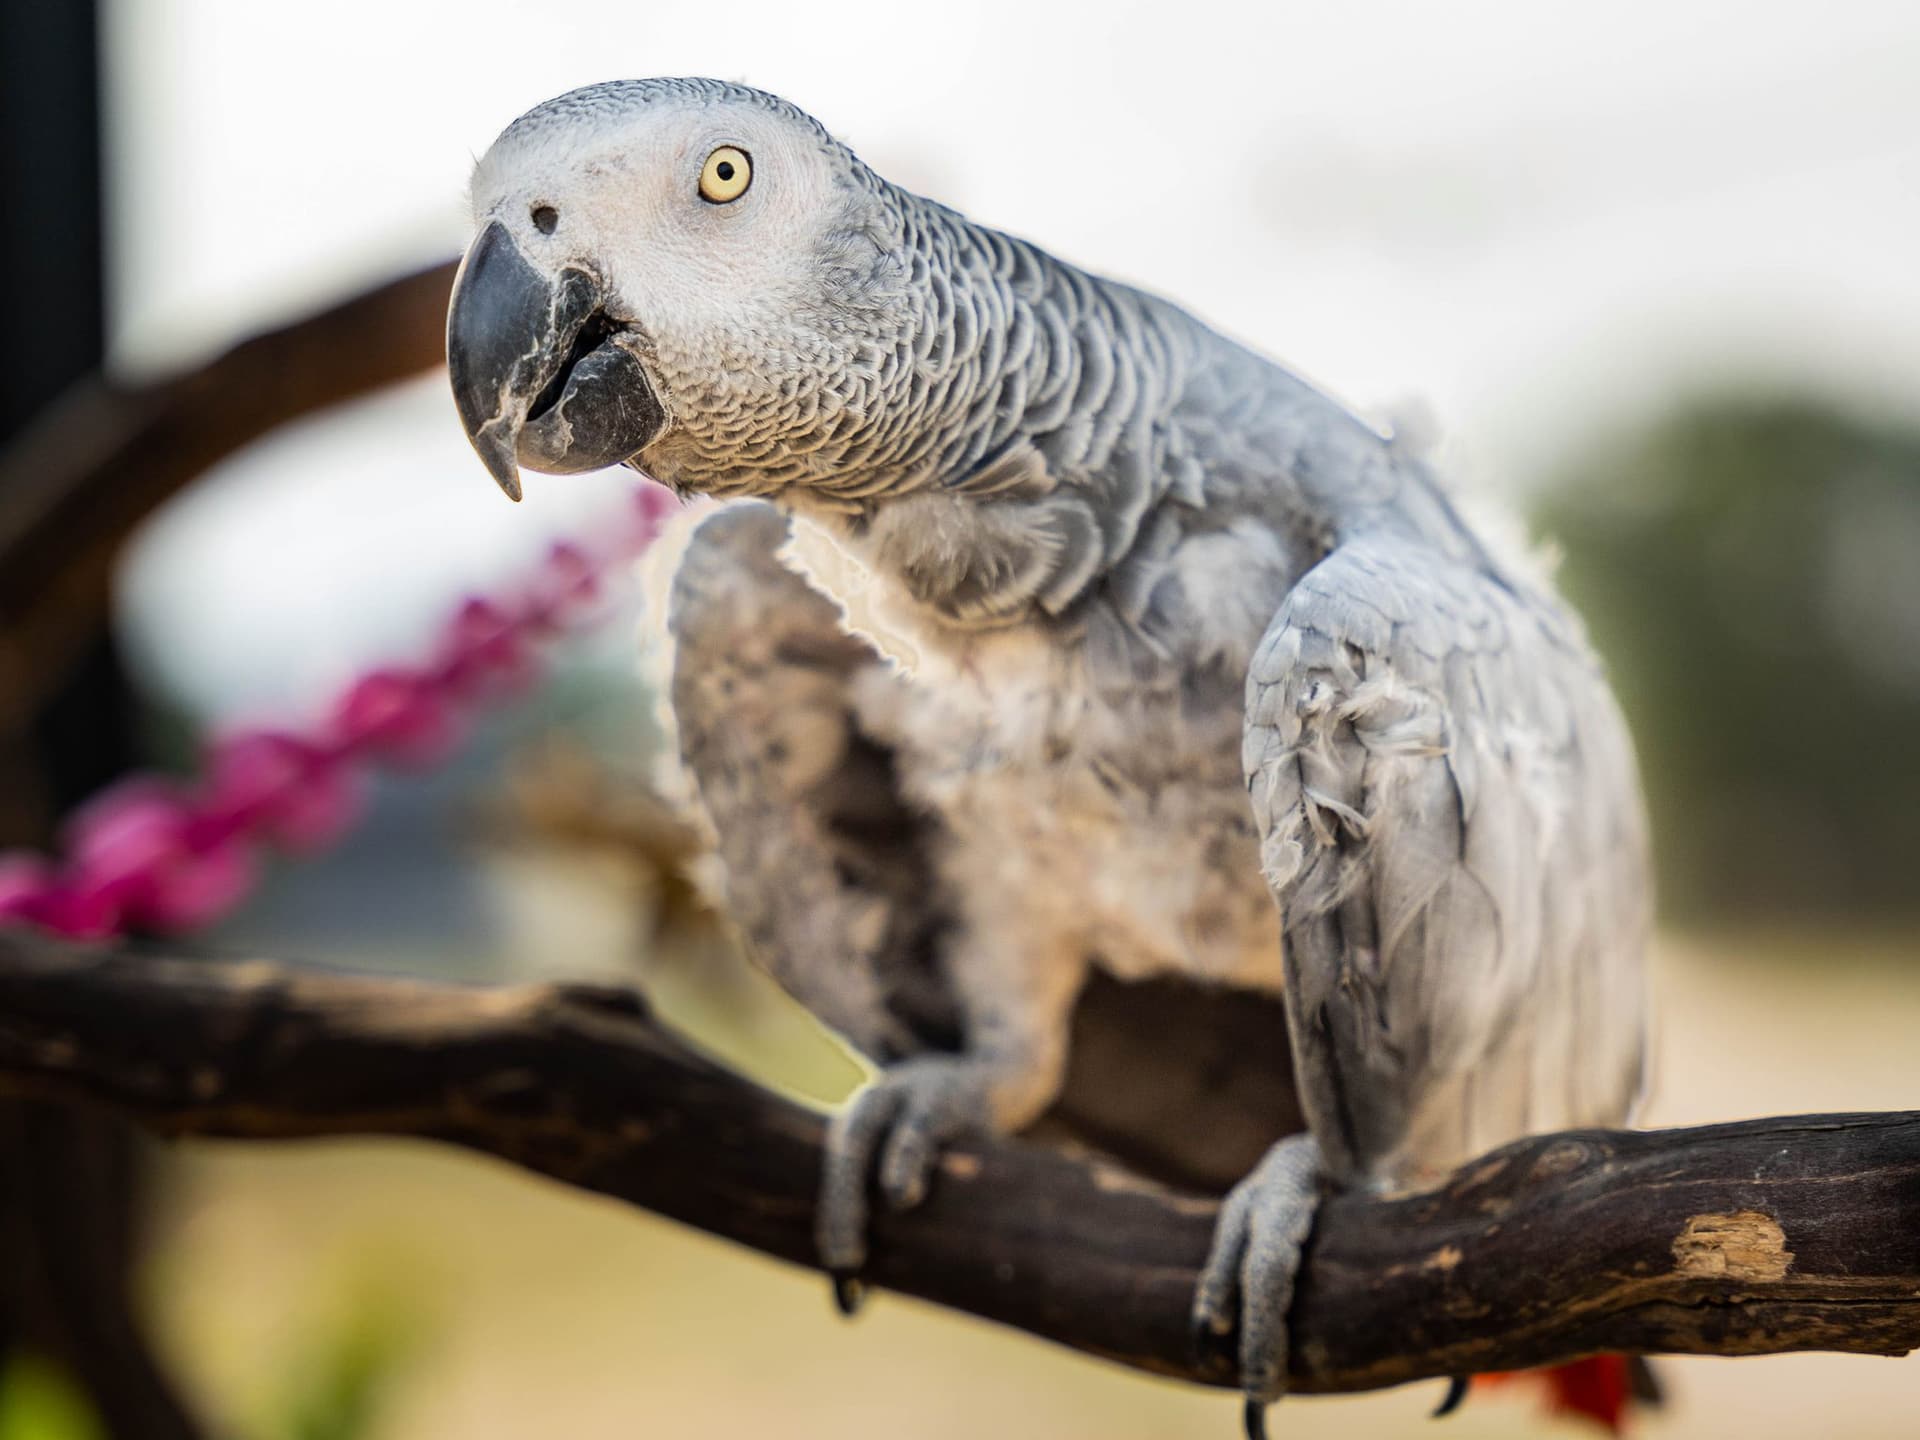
pixel 901 1120
pixel 1255 1257
pixel 1016 1003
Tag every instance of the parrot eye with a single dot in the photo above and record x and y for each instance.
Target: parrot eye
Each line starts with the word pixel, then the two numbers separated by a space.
pixel 545 218
pixel 726 175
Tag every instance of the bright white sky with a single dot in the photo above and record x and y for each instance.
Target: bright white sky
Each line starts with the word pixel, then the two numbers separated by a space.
pixel 1526 217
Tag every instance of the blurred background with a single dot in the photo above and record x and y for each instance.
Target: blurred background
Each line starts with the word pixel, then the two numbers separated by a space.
pixel 1646 271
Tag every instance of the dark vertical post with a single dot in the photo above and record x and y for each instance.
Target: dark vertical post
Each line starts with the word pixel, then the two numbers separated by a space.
pixel 52 332
pixel 67 1178
pixel 52 245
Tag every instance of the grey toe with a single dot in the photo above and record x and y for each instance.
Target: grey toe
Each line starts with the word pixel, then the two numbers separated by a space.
pixel 896 1125
pixel 1249 1274
pixel 840 1227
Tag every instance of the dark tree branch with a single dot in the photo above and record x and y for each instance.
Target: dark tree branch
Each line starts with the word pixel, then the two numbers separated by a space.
pixel 1770 1235
pixel 74 486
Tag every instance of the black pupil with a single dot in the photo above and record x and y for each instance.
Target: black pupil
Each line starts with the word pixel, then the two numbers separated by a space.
pixel 724 169
pixel 545 217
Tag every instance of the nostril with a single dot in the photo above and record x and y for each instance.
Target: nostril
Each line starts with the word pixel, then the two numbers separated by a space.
pixel 545 218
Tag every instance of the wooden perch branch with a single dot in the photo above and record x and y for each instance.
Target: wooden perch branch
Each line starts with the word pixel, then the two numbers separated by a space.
pixel 1769 1235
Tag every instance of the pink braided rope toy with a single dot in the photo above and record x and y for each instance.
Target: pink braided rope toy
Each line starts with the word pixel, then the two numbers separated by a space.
pixel 152 853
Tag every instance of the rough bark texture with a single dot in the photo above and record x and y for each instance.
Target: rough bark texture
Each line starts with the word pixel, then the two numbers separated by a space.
pixel 1768 1235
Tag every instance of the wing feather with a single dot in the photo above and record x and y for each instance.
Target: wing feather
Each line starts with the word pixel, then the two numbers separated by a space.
pixel 1451 824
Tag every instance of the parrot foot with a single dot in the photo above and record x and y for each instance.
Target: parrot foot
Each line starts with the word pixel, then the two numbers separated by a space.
pixel 1248 1278
pixel 903 1118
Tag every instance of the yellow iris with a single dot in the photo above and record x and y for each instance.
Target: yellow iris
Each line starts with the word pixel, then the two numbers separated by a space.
pixel 726 175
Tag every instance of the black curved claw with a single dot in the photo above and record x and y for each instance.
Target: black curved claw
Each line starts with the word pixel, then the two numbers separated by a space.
pixel 1254 1418
pixel 1457 1387
pixel 848 1291
pixel 1644 1382
pixel 1208 1346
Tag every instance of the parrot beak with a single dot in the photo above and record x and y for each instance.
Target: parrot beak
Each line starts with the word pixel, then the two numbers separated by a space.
pixel 541 375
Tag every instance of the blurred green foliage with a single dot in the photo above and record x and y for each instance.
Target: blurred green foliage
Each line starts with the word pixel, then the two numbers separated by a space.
pixel 336 1387
pixel 38 1402
pixel 345 1370
pixel 1750 567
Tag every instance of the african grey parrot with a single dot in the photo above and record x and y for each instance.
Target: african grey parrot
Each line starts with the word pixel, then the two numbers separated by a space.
pixel 1056 640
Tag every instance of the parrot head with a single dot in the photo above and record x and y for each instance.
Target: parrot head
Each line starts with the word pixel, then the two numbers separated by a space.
pixel 684 275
